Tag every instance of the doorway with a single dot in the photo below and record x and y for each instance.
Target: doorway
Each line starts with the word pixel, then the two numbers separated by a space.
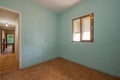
pixel 10 32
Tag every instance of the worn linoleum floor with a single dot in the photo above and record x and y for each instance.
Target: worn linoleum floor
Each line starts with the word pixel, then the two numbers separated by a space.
pixel 57 69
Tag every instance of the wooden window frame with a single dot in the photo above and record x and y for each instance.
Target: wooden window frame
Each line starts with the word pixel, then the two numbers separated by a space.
pixel 91 28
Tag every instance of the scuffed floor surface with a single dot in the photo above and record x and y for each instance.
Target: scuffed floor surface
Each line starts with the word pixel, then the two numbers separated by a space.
pixel 57 69
pixel 8 63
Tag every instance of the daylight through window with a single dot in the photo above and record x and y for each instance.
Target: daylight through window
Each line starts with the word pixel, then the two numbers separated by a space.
pixel 83 28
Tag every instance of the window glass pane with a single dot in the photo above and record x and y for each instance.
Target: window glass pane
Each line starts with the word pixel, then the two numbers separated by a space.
pixel 10 38
pixel 76 37
pixel 76 30
pixel 86 28
pixel 76 26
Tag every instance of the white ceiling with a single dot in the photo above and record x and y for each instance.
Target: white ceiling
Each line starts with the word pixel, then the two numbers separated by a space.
pixel 8 17
pixel 58 6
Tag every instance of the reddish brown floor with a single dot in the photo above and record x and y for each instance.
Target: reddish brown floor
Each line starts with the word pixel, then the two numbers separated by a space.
pixel 8 63
pixel 57 69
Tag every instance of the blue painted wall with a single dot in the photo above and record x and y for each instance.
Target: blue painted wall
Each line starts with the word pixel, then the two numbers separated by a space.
pixel 104 53
pixel 38 31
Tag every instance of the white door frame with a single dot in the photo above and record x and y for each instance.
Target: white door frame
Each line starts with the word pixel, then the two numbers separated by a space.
pixel 19 34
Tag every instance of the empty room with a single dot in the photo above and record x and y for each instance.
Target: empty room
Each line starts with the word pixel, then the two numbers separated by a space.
pixel 60 40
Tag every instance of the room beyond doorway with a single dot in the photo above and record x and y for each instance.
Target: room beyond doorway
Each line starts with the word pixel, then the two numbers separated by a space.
pixel 7 40
pixel 9 32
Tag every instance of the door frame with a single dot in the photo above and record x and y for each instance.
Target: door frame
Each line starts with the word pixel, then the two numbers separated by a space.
pixel 19 33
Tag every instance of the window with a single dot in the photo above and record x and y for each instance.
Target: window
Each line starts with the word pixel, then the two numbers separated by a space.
pixel 83 28
pixel 10 37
